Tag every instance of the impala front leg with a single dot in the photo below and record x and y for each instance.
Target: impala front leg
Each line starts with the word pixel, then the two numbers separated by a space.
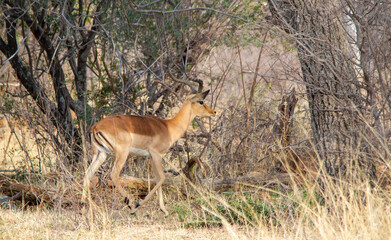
pixel 118 165
pixel 161 202
pixel 158 172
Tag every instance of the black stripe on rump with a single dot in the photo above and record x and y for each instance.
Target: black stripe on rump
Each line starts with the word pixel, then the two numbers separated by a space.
pixel 99 137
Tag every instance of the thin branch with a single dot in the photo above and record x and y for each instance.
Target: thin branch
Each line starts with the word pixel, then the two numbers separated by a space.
pixel 19 47
pixel 252 91
pixel 20 144
pixel 191 9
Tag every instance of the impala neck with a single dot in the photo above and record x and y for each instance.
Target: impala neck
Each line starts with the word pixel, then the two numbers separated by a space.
pixel 178 125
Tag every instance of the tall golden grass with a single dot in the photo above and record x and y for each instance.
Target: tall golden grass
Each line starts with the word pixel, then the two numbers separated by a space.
pixel 342 210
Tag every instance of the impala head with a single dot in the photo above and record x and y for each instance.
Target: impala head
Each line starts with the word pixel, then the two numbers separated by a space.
pixel 198 106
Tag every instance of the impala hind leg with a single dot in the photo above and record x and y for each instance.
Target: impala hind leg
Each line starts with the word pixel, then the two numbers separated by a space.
pixel 97 160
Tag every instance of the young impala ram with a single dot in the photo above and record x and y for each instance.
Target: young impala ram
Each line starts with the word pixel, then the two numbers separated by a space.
pixel 141 135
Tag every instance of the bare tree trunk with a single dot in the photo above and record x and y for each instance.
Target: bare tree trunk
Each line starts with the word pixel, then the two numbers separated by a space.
pixel 59 115
pixel 26 17
pixel 332 88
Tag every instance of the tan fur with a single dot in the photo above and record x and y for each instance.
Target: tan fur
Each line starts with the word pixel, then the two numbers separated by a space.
pixel 141 134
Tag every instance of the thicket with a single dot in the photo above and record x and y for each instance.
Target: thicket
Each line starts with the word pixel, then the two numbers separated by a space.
pixel 301 140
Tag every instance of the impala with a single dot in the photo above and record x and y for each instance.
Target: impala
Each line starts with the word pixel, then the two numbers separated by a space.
pixel 141 135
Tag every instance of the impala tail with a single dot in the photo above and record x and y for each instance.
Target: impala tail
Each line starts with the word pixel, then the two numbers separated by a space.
pixel 100 141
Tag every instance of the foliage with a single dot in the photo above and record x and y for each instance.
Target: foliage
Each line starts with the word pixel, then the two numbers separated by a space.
pixel 90 59
pixel 245 209
pixel 143 54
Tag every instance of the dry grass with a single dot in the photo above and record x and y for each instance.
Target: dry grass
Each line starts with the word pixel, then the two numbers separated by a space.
pixel 46 224
pixel 269 211
pixel 272 210
pixel 297 216
pixel 280 212
pixel 266 211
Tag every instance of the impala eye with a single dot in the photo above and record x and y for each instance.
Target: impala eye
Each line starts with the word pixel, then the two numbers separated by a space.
pixel 201 102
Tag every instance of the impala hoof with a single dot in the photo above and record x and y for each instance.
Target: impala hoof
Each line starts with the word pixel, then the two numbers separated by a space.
pixel 175 173
pixel 136 205
pixel 126 201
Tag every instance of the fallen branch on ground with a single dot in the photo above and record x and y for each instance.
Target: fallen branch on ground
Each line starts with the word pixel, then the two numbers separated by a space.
pixel 15 191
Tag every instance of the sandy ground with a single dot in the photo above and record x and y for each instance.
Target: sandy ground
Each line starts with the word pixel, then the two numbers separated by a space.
pixel 53 225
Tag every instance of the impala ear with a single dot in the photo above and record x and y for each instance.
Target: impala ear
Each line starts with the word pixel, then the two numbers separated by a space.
pixel 197 97
pixel 204 94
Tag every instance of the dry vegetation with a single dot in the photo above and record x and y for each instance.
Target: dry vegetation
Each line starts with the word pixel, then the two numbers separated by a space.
pixel 257 173
pixel 253 199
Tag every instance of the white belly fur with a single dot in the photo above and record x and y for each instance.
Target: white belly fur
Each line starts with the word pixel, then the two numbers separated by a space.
pixel 139 152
